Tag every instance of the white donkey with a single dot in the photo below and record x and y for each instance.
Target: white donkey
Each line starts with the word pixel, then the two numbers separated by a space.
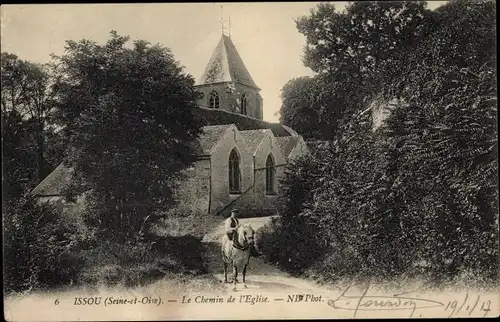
pixel 237 252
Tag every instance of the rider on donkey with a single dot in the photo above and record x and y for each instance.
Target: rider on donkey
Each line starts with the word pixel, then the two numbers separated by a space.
pixel 231 224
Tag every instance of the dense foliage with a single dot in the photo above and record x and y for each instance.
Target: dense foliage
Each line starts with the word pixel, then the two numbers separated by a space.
pixel 121 117
pixel 355 54
pixel 419 194
pixel 29 141
pixel 122 109
pixel 40 248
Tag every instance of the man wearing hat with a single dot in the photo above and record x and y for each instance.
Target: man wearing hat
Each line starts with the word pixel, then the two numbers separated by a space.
pixel 231 224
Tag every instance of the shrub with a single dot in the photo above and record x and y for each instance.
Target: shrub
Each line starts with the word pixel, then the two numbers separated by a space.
pixel 291 241
pixel 169 245
pixel 40 249
pixel 416 197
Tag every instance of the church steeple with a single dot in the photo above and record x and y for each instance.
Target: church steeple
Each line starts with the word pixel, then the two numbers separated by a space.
pixel 226 83
pixel 226 65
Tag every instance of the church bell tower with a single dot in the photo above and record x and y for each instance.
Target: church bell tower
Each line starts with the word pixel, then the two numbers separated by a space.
pixel 226 83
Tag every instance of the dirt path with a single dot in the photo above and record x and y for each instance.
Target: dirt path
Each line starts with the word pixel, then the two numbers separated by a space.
pixel 260 275
pixel 271 294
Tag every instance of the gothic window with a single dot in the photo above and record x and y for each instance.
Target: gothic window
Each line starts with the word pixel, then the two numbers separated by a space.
pixel 213 101
pixel 270 175
pixel 234 172
pixel 244 104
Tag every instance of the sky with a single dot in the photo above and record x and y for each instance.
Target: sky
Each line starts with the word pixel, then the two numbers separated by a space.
pixel 264 34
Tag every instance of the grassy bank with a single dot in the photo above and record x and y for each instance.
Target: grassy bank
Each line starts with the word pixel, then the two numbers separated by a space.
pixel 45 252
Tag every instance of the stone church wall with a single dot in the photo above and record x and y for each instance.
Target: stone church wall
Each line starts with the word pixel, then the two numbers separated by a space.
pixel 220 169
pixel 265 203
pixel 253 110
pixel 206 90
pixel 194 190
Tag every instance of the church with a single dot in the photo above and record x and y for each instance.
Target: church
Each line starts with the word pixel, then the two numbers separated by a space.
pixel 240 157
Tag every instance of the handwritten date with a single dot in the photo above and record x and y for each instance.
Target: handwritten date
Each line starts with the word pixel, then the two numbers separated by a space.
pixel 365 301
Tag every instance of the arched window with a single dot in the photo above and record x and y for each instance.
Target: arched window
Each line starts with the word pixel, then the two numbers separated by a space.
pixel 244 104
pixel 270 174
pixel 234 172
pixel 213 100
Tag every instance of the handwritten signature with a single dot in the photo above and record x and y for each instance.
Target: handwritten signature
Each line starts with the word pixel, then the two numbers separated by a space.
pixel 396 302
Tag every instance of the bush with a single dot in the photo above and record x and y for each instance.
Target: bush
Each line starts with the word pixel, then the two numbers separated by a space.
pixel 419 194
pixel 415 197
pixel 183 222
pixel 291 240
pixel 40 249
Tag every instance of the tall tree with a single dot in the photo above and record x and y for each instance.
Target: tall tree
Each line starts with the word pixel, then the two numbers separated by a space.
pixel 299 109
pixel 355 53
pixel 365 43
pixel 314 105
pixel 127 115
pixel 19 170
pixel 25 91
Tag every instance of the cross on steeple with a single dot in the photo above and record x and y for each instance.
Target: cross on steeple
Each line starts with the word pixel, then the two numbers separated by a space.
pixel 222 21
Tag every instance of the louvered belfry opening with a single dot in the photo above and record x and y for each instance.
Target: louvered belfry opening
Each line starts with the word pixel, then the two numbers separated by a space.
pixel 244 104
pixel 214 100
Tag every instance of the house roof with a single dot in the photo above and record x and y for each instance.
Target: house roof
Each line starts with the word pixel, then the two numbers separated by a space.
pixel 287 143
pixel 210 136
pixel 226 65
pixel 253 138
pixel 52 184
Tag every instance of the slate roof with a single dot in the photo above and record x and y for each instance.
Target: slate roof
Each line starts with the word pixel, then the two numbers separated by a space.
pixel 226 65
pixel 290 130
pixel 210 136
pixel 287 143
pixel 253 138
pixel 52 184
pixel 212 116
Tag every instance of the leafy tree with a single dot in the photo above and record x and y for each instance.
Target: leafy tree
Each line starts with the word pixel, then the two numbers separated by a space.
pixel 365 43
pixel 418 195
pixel 450 152
pixel 126 115
pixel 15 83
pixel 474 46
pixel 354 53
pixel 313 106
pixel 446 139
pixel 25 90
pixel 299 108
pixel 19 171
